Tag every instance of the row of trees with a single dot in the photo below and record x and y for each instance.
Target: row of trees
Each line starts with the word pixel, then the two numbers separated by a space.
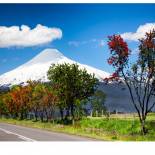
pixel 35 97
pixel 68 90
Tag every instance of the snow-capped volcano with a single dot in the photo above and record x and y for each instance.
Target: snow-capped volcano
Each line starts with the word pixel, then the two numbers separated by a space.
pixel 36 68
pixel 118 97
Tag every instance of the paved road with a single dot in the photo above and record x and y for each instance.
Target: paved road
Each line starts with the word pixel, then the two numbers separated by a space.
pixel 10 132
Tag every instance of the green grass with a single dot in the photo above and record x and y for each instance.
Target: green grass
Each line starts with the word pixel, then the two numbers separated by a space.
pixel 117 127
pixel 120 129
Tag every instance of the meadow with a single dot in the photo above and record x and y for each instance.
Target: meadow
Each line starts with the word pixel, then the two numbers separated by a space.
pixel 118 127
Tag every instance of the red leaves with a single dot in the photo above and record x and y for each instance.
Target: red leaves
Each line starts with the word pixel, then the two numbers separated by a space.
pixel 114 76
pixel 119 50
pixel 117 44
pixel 149 44
pixel 20 98
pixel 49 98
pixel 112 45
pixel 147 52
pixel 26 98
pixel 111 60
pixel 149 41
pixel 119 55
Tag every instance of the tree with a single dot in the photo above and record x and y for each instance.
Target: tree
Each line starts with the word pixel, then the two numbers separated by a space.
pixel 11 107
pixel 73 85
pixel 34 105
pixel 43 100
pixel 21 97
pixel 140 76
pixel 97 103
pixel 3 108
pixel 49 101
pixel 38 105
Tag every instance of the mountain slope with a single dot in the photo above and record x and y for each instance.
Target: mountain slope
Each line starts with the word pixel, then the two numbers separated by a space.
pixel 36 68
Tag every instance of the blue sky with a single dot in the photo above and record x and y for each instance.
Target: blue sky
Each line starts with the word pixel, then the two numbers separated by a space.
pixel 84 27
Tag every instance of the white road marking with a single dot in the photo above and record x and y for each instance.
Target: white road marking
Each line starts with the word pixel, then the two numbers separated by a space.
pixel 19 136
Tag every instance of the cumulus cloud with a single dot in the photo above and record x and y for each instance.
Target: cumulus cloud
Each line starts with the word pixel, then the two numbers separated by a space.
pixel 140 33
pixel 24 36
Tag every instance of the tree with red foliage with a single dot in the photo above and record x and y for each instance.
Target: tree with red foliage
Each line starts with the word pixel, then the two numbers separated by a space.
pixel 120 54
pixel 10 106
pixel 43 100
pixel 21 97
pixel 49 103
pixel 140 77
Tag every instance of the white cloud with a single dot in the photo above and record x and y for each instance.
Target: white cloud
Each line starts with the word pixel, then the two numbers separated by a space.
pixel 94 42
pixel 102 43
pixel 24 36
pixel 73 43
pixel 140 33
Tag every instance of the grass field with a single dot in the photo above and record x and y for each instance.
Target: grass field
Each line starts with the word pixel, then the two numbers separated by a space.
pixel 120 127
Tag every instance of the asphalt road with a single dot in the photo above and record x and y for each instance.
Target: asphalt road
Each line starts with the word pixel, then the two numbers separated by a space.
pixel 10 132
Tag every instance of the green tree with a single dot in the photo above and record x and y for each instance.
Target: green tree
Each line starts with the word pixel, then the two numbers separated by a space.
pixel 43 100
pixel 3 107
pixel 11 107
pixel 97 103
pixel 73 85
pixel 37 101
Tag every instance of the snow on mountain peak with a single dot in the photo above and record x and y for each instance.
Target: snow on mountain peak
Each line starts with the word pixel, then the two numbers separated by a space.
pixel 45 56
pixel 37 67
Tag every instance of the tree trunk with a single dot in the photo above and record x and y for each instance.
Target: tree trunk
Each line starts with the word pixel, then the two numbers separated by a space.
pixel 143 128
pixel 67 113
pixel 36 115
pixel 52 115
pixel 25 115
pixel 41 116
pixel 46 114
pixel 61 114
pixel 21 116
pixel 72 113
pixel 16 115
pixel 91 113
